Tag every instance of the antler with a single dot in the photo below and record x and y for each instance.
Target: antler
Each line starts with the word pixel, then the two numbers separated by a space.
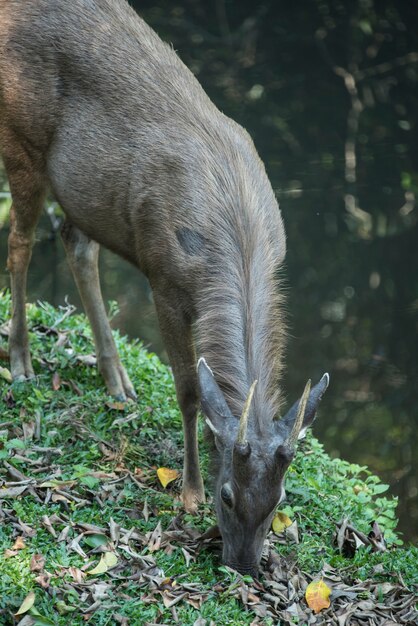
pixel 293 437
pixel 243 423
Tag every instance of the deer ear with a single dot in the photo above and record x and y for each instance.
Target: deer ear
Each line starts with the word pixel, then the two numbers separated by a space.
pixel 214 405
pixel 315 396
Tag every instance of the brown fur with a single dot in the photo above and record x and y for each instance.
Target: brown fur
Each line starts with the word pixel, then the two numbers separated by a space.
pixel 94 105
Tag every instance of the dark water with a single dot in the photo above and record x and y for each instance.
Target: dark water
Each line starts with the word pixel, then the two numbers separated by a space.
pixel 352 228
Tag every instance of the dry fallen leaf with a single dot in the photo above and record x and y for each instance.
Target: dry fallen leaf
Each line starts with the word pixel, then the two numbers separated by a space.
pixel 292 533
pixel 154 541
pixel 57 484
pixel 37 563
pixel 116 406
pixel 12 492
pixel 19 544
pixel 27 530
pixel 77 574
pixel 280 522
pixel 145 511
pixel 166 475
pixel 5 373
pixel 317 596
pixel 7 554
pixel 27 603
pixel 43 579
pixel 377 538
pixel 99 591
pixel 108 560
pixel 46 522
pixel 28 427
pixel 56 381
pixel 57 497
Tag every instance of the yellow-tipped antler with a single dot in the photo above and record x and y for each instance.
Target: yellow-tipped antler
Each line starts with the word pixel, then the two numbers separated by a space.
pixel 293 437
pixel 243 423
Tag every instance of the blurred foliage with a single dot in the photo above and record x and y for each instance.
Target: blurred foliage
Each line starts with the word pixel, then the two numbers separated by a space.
pixel 328 90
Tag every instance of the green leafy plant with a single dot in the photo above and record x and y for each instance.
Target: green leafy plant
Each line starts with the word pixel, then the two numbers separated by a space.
pixel 90 466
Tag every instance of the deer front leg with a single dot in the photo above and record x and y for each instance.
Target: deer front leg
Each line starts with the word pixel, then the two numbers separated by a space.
pixel 83 255
pixel 177 334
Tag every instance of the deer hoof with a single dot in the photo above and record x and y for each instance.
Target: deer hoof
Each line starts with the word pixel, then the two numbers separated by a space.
pixel 122 397
pixel 23 378
pixel 117 382
pixel 191 498
pixel 21 369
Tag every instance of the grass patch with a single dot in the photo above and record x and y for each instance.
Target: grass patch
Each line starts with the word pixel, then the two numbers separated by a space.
pixel 90 466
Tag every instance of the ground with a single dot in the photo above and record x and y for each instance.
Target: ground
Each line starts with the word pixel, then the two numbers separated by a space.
pixel 88 534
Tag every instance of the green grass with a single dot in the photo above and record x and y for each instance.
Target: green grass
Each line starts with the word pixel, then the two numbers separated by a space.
pixel 75 433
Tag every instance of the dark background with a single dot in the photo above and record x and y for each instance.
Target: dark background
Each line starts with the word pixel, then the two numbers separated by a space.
pixel 328 90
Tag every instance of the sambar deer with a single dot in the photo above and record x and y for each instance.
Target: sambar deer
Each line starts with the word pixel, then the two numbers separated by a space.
pixel 97 109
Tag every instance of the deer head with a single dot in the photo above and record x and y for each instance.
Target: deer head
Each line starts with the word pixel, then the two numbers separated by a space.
pixel 252 466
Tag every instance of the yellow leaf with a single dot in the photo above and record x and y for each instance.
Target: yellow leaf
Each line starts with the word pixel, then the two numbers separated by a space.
pixel 317 596
pixel 5 373
pixel 280 522
pixel 108 560
pixel 116 406
pixel 166 475
pixel 27 603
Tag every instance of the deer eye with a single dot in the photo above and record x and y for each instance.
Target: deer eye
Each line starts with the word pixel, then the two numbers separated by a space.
pixel 227 495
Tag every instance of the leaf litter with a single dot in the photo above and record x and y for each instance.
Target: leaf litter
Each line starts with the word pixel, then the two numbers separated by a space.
pixel 111 557
pixel 115 556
